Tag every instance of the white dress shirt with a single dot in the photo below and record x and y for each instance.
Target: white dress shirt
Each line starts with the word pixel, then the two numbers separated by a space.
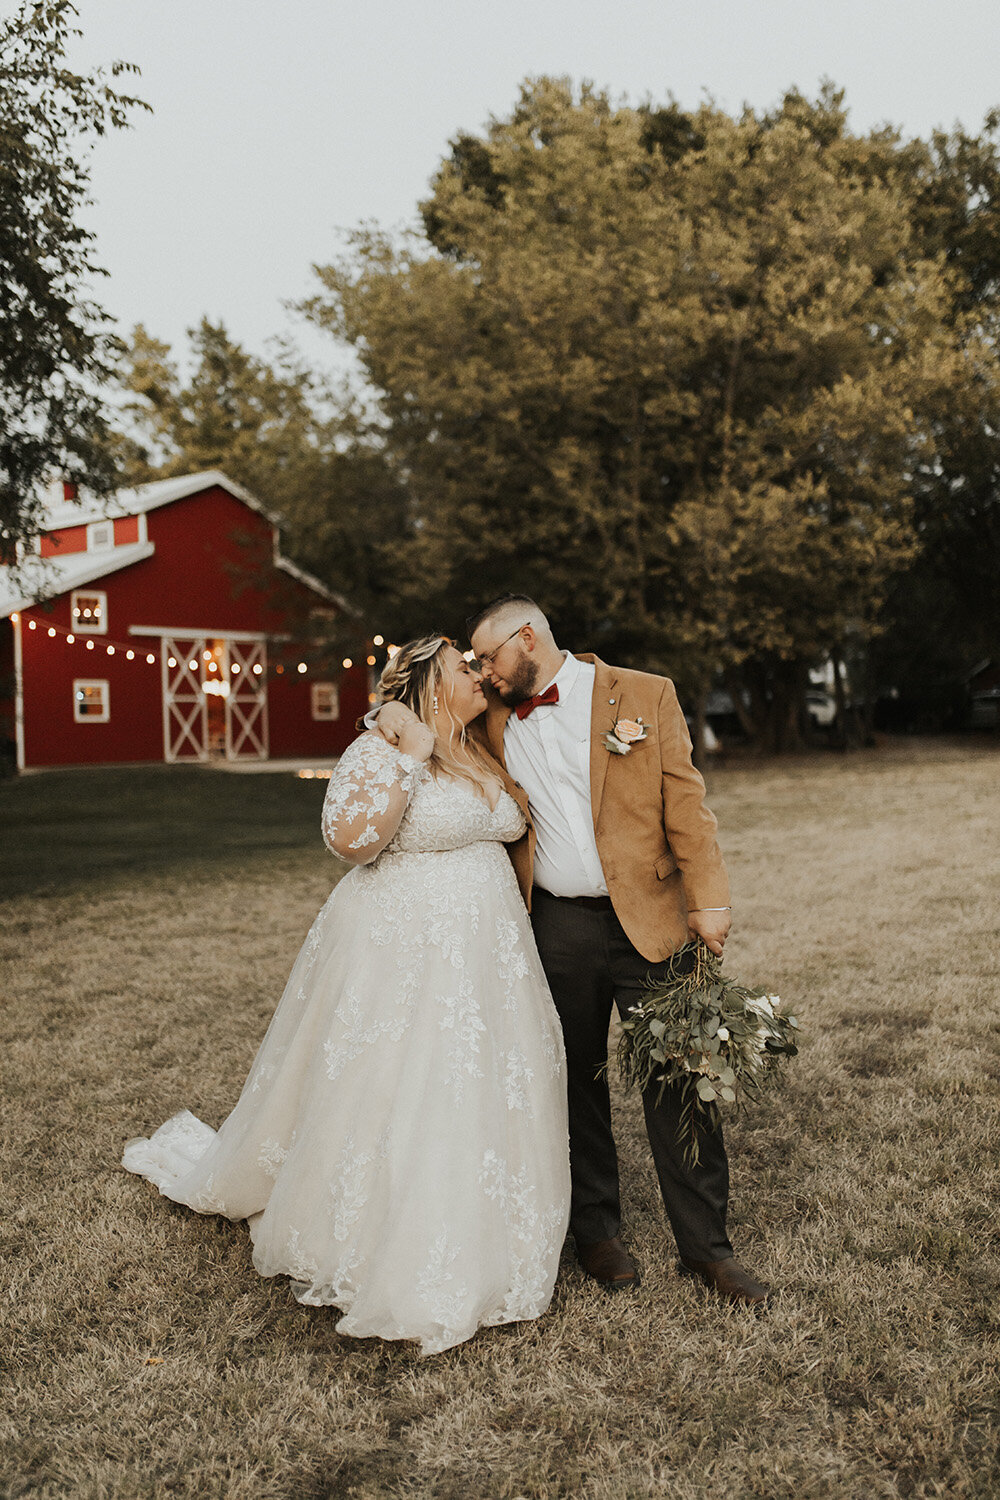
pixel 548 752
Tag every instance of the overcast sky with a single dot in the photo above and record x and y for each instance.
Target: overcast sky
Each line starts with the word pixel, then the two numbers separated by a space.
pixel 278 124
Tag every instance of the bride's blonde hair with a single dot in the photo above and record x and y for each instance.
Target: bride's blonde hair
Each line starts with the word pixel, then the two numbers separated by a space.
pixel 414 676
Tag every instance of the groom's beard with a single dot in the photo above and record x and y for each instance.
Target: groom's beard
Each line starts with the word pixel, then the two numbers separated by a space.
pixel 521 683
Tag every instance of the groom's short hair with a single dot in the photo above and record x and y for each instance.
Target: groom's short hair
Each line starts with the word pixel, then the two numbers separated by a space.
pixel 499 606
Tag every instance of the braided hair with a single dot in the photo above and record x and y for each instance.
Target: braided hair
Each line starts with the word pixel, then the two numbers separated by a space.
pixel 414 676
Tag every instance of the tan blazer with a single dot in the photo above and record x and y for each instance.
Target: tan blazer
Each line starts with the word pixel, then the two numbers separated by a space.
pixel 655 837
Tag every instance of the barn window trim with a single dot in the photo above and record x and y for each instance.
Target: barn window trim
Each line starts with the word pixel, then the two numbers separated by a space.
pixel 331 692
pixel 88 627
pixel 80 685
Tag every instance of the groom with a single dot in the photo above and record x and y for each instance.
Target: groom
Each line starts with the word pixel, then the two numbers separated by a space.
pixel 619 867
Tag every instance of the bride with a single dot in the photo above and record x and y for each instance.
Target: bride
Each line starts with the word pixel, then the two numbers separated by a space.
pixel 400 1145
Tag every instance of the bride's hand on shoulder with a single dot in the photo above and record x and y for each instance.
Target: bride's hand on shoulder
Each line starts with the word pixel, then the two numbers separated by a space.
pixel 406 730
pixel 417 740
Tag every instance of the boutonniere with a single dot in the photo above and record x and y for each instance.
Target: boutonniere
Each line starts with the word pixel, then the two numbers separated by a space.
pixel 623 734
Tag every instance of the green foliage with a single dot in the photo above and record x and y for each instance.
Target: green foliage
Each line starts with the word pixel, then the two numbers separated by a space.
pixel 56 344
pixel 944 613
pixel 303 449
pixel 710 1035
pixel 672 373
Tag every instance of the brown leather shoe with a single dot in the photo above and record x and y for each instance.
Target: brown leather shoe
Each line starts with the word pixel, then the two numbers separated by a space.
pixel 608 1262
pixel 728 1278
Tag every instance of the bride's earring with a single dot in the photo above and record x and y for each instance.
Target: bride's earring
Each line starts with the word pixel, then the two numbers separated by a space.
pixel 435 702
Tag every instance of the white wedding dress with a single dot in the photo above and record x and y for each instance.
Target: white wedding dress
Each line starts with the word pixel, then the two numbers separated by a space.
pixel 400 1146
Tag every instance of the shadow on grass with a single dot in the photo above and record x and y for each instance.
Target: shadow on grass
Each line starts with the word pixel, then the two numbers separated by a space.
pixel 70 830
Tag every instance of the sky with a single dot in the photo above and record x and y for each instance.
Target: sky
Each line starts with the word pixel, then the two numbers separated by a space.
pixel 278 126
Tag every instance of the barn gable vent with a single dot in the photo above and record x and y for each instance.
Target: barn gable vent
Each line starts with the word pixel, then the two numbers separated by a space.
pixel 100 536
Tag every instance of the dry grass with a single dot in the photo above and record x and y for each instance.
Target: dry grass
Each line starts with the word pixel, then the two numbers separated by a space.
pixel 867 1191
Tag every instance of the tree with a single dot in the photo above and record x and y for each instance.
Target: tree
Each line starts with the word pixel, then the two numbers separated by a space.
pixel 944 612
pixel 304 449
pixel 670 372
pixel 56 345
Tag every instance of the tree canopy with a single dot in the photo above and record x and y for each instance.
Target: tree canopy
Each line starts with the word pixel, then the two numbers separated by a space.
pixel 57 347
pixel 302 447
pixel 674 373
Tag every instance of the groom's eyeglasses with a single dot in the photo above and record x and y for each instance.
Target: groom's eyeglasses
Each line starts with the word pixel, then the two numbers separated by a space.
pixel 485 658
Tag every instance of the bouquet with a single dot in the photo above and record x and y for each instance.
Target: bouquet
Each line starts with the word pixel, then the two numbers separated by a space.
pixel 719 1040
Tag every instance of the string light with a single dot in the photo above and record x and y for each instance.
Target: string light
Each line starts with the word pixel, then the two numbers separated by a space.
pixel 371 661
pixel 151 658
pixel 377 640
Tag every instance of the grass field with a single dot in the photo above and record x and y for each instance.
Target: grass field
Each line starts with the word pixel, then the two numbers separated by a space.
pixel 149 922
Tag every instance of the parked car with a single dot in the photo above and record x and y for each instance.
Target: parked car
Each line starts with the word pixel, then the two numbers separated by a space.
pixel 821 707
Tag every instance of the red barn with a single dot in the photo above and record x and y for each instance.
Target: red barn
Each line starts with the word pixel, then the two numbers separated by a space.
pixel 166 625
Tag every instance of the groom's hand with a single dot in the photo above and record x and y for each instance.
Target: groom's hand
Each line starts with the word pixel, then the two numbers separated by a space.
pixel 711 926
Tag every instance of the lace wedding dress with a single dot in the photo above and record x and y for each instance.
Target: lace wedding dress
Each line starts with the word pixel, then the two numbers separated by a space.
pixel 400 1146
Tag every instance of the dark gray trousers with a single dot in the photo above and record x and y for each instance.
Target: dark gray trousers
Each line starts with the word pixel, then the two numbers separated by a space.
pixel 590 965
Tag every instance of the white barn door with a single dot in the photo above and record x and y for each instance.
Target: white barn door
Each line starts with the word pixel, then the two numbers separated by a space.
pixel 185 708
pixel 246 704
pixel 242 676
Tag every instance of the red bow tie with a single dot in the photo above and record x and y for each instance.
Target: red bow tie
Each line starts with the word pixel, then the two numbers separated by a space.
pixel 551 695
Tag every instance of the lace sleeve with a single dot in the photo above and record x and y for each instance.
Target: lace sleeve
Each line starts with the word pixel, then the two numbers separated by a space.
pixel 367 797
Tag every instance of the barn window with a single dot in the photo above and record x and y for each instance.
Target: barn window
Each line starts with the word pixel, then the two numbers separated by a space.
pixel 325 700
pixel 90 611
pixel 100 536
pixel 91 702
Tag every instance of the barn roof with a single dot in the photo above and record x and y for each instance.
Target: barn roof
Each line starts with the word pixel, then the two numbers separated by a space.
pixel 37 578
pixel 40 578
pixel 145 497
